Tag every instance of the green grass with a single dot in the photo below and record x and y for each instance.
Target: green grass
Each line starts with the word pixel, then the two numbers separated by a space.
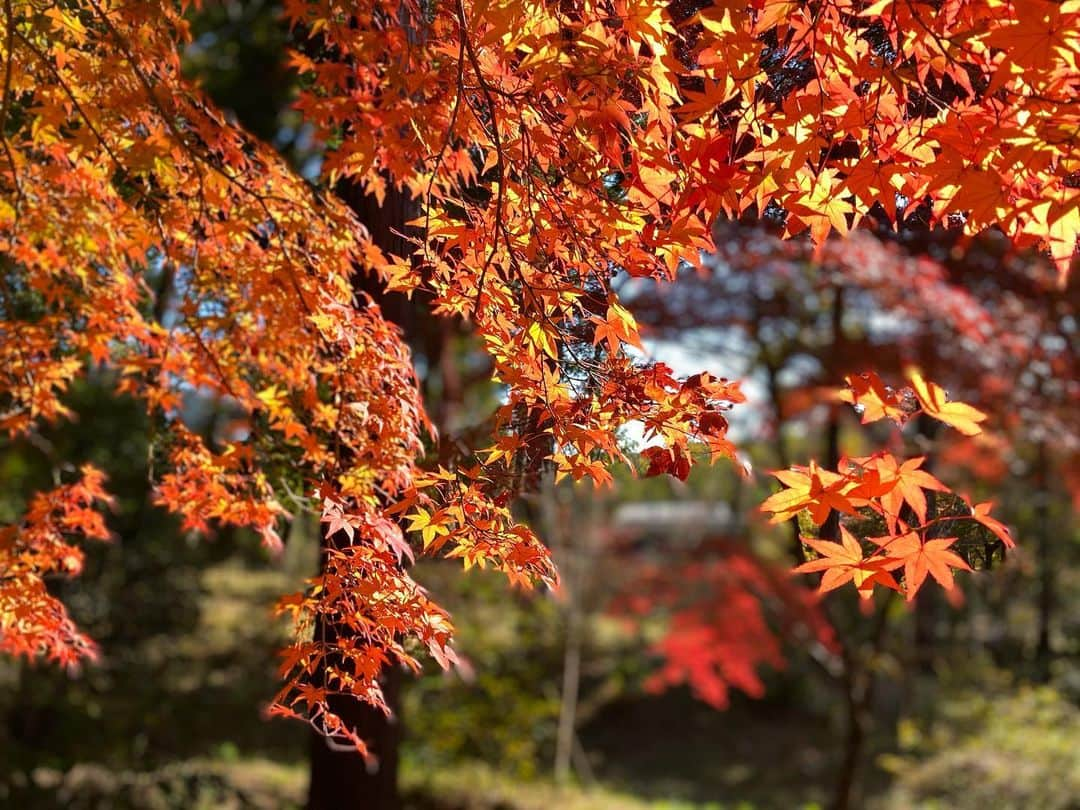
pixel 477 787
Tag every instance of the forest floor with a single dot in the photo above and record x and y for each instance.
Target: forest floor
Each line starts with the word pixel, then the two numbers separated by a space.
pixel 177 725
pixel 261 784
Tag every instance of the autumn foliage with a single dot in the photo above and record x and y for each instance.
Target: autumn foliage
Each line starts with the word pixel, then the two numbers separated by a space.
pixel 729 616
pixel 553 148
pixel 914 538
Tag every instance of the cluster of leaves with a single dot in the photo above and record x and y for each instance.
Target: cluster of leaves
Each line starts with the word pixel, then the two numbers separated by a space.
pixel 141 230
pixel 552 147
pixel 826 109
pixel 728 615
pixel 895 491
pixel 978 317
pixel 31 619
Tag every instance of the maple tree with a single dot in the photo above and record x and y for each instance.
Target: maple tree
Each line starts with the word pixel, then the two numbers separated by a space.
pixel 981 318
pixel 552 149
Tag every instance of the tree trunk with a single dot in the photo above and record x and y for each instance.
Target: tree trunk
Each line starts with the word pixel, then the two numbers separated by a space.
pixel 927 601
pixel 577 544
pixel 851 681
pixel 339 778
pixel 854 738
pixel 854 678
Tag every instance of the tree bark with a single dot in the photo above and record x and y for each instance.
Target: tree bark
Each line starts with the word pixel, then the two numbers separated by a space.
pixel 927 601
pixel 577 544
pixel 854 681
pixel 340 779
pixel 854 737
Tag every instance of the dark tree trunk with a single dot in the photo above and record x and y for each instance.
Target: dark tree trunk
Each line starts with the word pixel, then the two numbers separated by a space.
pixel 854 738
pixel 782 455
pixel 339 778
pixel 854 679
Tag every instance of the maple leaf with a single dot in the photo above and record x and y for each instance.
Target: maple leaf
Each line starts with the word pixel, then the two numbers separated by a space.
pixel 431 527
pixel 820 491
pixel 844 562
pixel 909 482
pixel 874 399
pixel 934 402
pixel 619 327
pixel 981 513
pixel 663 460
pixel 979 193
pixel 823 206
pixel 921 557
pixel 541 337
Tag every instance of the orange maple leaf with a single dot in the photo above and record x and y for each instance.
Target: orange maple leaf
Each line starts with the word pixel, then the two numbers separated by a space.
pixel 874 399
pixel 935 403
pixel 910 481
pixel 981 513
pixel 844 562
pixel 619 327
pixel 921 557
pixel 811 488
